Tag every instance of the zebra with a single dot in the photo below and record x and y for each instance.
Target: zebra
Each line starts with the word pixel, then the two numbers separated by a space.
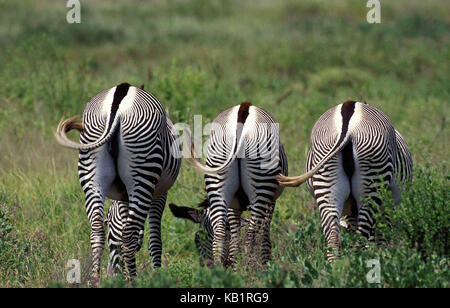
pixel 129 152
pixel 204 237
pixel 355 151
pixel 244 156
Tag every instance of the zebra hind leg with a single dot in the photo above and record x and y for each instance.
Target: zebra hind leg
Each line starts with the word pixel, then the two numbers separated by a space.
pixel 116 215
pixel 132 232
pixel 140 188
pixel 330 227
pixel 218 216
pixel 234 221
pixel 266 253
pixel 367 221
pixel 94 209
pixel 220 245
pixel 95 185
pixel 97 239
pixel 257 241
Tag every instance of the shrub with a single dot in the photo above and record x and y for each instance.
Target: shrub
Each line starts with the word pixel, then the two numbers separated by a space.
pixel 422 219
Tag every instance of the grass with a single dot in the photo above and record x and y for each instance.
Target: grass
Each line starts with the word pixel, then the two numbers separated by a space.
pixel 296 59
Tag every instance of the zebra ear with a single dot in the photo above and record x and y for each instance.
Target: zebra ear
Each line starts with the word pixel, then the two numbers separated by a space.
pixel 185 212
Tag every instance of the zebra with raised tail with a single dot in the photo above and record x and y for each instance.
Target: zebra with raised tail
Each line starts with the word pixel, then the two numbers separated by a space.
pixel 129 152
pixel 355 151
pixel 244 156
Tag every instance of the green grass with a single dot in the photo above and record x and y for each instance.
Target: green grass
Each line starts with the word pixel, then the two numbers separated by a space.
pixel 296 59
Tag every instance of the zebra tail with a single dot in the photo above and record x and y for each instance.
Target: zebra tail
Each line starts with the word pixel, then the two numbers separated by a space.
pixel 294 181
pixel 193 158
pixel 75 123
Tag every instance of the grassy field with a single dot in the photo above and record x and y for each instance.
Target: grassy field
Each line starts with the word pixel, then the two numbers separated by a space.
pixel 296 59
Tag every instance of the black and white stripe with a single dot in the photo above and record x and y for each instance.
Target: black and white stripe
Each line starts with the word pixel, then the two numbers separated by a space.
pixel 204 236
pixel 243 158
pixel 117 213
pixel 129 152
pixel 354 152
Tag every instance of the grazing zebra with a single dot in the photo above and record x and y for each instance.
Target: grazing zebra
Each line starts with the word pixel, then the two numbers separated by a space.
pixel 129 152
pixel 354 152
pixel 204 237
pixel 244 157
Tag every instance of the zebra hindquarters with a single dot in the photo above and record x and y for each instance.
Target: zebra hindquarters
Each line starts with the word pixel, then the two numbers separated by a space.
pixel 96 171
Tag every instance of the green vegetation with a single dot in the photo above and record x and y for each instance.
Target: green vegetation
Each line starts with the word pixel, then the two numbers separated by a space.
pixel 296 59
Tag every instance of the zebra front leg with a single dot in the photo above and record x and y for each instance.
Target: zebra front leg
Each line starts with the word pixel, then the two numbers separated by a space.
pixel 132 232
pixel 114 258
pixel 114 243
pixel 130 245
pixel 220 244
pixel 154 222
pixel 117 213
pixel 234 221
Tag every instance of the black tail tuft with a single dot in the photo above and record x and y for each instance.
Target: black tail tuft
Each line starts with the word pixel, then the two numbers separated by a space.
pixel 243 112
